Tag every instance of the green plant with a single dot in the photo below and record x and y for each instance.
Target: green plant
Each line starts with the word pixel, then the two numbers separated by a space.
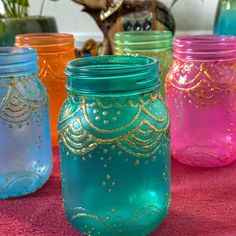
pixel 19 8
pixel 15 8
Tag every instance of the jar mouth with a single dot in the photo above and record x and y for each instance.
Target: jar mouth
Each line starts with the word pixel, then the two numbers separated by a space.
pixel 17 61
pixel 109 75
pixel 143 40
pixel 46 42
pixel 205 47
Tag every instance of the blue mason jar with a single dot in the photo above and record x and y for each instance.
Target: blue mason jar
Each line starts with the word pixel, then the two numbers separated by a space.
pixel 114 146
pixel 25 143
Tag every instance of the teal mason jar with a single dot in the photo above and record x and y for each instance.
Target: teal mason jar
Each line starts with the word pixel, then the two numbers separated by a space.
pixel 225 19
pixel 114 146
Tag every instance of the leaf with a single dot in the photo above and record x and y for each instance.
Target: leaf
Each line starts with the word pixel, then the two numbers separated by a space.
pixel 2 27
pixel 24 3
pixel 15 3
pixel 173 3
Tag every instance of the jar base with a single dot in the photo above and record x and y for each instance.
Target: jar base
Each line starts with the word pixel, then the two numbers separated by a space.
pixel 106 227
pixel 205 156
pixel 16 186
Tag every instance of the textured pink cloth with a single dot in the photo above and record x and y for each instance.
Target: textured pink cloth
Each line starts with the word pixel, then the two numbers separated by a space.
pixel 203 203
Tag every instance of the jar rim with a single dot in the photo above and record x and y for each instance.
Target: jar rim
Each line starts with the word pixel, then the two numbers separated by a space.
pixel 16 61
pixel 143 40
pixel 109 75
pixel 46 42
pixel 205 47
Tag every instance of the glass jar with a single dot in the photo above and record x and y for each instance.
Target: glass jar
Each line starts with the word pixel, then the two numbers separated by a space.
pixel 156 44
pixel 201 96
pixel 225 19
pixel 114 146
pixel 54 51
pixel 25 150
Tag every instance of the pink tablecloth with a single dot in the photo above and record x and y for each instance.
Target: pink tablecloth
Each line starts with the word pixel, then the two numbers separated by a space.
pixel 203 203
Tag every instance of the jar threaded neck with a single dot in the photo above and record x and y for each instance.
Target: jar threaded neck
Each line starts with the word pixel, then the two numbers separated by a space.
pixel 109 75
pixel 205 47
pixel 46 42
pixel 17 61
pixel 143 40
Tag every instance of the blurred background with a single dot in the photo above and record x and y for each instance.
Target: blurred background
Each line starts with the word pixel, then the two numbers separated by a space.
pixel 194 16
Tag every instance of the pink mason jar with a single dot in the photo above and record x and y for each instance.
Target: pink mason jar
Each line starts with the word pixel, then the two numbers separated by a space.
pixel 201 96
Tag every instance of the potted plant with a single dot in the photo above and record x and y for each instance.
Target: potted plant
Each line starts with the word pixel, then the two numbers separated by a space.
pixel 17 21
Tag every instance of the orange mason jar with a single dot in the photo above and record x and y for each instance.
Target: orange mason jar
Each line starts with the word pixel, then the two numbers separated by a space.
pixel 54 50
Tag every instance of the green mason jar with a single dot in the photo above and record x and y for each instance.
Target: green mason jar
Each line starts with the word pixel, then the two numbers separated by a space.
pixel 156 44
pixel 114 146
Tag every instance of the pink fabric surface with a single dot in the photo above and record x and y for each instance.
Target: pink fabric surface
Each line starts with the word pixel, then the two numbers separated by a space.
pixel 203 203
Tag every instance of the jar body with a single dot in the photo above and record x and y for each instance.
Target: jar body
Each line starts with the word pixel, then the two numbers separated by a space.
pixel 115 163
pixel 202 103
pixel 154 44
pixel 225 19
pixel 164 56
pixel 52 74
pixel 25 152
pixel 55 50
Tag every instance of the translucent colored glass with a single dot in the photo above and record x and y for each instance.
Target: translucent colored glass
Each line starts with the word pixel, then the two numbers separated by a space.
pixel 54 51
pixel 201 97
pixel 156 44
pixel 225 22
pixel 114 146
pixel 25 142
